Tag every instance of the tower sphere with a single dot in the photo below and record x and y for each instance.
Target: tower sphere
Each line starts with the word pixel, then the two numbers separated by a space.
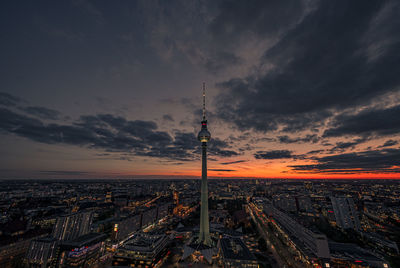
pixel 204 135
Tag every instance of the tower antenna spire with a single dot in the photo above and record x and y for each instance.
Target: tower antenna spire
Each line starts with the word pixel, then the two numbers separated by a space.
pixel 204 101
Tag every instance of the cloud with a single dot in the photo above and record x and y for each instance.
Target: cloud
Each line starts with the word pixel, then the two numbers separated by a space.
pixel 236 20
pixel 168 117
pixel 376 161
pixel 222 170
pixel 64 172
pixel 389 143
pixel 275 154
pixel 8 99
pixel 315 152
pixel 234 162
pixel 219 147
pixel 319 67
pixel 90 9
pixel 10 121
pixel 384 121
pixel 112 134
pixel 307 139
pixel 341 146
pixel 41 112
pixel 221 60
pixel 222 35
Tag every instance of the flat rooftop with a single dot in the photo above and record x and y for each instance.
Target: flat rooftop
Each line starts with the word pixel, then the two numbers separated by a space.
pixel 85 240
pixel 144 241
pixel 235 249
pixel 351 251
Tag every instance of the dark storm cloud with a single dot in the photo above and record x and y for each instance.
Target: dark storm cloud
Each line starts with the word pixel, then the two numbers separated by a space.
pixel 368 122
pixel 307 139
pixel 113 134
pixel 378 161
pixel 343 145
pixel 219 147
pixel 233 162
pixel 237 19
pixel 314 152
pixel 8 99
pixel 182 148
pixel 275 154
pixel 185 147
pixel 10 121
pixel 341 55
pixel 222 170
pixel 389 143
pixel 41 112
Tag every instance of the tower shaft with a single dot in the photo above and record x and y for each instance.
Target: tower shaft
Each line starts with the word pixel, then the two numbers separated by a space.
pixel 204 235
pixel 204 137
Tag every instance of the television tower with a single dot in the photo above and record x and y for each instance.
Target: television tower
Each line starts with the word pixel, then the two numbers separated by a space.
pixel 204 136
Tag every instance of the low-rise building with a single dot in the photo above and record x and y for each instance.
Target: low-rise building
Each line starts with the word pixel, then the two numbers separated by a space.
pixel 234 253
pixel 351 255
pixel 83 251
pixel 143 250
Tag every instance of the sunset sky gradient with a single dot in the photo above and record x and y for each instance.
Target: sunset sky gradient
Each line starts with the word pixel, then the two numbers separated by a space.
pixel 105 89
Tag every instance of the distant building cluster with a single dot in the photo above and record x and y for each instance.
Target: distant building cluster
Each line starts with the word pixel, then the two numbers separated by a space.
pixel 154 223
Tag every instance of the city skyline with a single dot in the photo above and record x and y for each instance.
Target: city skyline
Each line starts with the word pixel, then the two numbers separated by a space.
pixel 304 89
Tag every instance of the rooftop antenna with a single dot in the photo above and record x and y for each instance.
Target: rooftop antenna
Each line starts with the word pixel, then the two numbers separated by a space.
pixel 204 101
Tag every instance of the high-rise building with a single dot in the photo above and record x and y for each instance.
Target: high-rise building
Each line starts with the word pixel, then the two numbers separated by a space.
pixel 204 137
pixel 345 213
pixel 72 226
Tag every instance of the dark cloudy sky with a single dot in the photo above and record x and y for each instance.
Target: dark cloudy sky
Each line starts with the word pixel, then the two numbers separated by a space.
pixel 113 88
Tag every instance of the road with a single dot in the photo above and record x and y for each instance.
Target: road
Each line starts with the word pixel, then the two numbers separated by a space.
pixel 278 259
pixel 283 258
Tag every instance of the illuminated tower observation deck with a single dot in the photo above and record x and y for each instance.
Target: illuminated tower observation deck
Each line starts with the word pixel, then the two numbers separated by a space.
pixel 204 136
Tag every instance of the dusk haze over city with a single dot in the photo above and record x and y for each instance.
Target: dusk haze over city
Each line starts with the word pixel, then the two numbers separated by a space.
pixel 200 133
